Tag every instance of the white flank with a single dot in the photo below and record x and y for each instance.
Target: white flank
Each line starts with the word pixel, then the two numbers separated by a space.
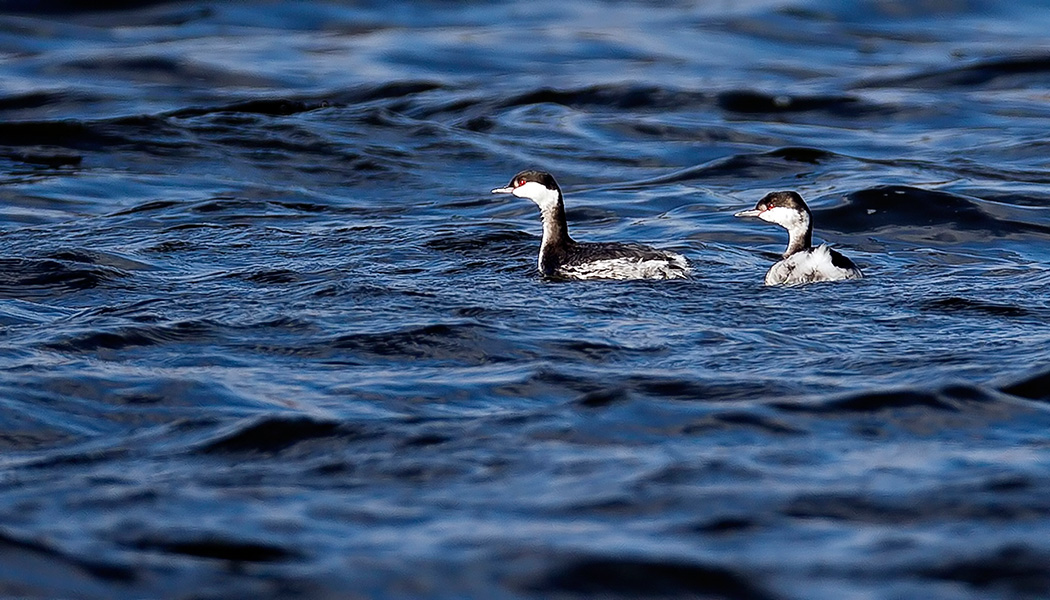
pixel 673 267
pixel 807 267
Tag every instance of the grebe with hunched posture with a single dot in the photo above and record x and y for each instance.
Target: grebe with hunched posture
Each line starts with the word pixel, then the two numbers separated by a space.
pixel 802 262
pixel 565 258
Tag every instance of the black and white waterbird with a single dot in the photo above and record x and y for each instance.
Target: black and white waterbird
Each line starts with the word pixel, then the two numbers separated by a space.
pixel 802 263
pixel 564 258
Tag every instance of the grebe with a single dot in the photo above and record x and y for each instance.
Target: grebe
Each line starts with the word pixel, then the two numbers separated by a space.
pixel 565 258
pixel 802 262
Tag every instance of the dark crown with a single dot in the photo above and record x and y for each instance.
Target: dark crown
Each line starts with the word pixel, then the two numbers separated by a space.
pixel 786 199
pixel 542 177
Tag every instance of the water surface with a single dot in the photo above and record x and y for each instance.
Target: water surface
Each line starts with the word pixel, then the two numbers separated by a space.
pixel 265 332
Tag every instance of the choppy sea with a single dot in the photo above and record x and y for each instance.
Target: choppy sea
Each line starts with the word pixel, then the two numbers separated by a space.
pixel 264 333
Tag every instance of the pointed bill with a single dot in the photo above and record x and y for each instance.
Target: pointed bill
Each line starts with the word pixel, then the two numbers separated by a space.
pixel 748 213
pixel 503 190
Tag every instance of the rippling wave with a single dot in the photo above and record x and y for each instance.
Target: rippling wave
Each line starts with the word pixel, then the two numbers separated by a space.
pixel 267 333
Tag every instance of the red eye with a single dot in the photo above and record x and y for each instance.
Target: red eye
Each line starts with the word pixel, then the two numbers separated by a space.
pixel 521 181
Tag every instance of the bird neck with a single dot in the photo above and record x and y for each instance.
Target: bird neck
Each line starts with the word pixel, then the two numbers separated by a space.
pixel 555 228
pixel 800 236
pixel 555 236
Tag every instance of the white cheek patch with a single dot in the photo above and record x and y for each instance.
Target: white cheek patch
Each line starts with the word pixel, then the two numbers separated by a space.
pixel 543 197
pixel 785 217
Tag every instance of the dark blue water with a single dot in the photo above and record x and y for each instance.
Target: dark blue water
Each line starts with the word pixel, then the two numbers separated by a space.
pixel 266 334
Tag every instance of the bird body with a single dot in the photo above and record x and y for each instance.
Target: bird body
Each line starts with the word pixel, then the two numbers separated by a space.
pixel 564 258
pixel 802 263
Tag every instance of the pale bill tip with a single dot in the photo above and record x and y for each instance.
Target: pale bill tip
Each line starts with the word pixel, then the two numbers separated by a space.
pixel 748 213
pixel 502 190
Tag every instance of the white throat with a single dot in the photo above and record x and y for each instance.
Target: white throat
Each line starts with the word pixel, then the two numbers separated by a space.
pixel 544 197
pixel 788 218
pixel 797 224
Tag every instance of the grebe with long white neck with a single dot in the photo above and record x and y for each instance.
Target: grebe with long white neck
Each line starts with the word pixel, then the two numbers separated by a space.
pixel 565 258
pixel 802 262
